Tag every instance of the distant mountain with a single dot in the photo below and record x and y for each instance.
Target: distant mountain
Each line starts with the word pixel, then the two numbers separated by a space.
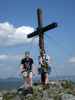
pixel 72 78
pixel 11 83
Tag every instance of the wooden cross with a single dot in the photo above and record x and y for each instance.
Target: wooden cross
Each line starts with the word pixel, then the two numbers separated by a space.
pixel 40 31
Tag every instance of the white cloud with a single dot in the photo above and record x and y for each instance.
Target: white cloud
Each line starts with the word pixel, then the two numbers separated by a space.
pixel 11 35
pixel 10 57
pixel 72 60
pixel 3 57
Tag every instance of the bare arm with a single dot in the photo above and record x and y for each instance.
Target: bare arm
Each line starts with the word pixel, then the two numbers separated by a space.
pixel 21 68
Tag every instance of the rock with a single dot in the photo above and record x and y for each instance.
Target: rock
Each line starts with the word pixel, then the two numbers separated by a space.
pixel 67 97
pixel 1 96
pixel 45 95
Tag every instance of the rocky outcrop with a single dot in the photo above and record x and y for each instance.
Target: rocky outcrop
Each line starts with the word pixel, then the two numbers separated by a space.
pixel 56 90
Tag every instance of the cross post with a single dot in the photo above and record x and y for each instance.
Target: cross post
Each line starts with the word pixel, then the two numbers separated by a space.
pixel 40 32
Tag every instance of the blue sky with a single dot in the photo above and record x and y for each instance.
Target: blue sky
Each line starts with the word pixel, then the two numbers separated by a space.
pixel 18 18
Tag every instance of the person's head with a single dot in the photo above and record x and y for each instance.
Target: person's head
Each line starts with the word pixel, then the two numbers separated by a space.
pixel 27 54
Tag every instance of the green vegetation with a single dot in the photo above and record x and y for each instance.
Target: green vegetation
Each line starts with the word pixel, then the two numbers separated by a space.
pixel 9 96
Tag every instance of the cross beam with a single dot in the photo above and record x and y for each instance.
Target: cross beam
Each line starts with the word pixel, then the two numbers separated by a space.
pixel 43 29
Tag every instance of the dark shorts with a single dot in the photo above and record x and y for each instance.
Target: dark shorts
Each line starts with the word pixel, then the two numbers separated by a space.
pixel 44 70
